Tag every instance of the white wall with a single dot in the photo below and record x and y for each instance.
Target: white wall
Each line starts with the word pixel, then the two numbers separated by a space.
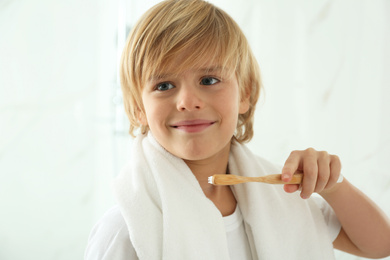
pixel 326 72
pixel 57 81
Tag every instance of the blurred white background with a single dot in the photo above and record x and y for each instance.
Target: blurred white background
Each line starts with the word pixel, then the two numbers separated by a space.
pixel 63 132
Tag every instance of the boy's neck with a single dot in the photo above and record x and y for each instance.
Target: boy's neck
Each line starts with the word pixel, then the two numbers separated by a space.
pixel 221 196
pixel 202 169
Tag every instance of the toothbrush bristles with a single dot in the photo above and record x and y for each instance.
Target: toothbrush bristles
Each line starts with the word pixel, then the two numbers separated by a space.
pixel 211 179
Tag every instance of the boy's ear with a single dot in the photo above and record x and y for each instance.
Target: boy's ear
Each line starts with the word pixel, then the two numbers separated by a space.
pixel 244 104
pixel 142 118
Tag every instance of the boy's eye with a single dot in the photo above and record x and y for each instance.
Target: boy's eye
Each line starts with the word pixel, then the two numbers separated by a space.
pixel 209 81
pixel 164 86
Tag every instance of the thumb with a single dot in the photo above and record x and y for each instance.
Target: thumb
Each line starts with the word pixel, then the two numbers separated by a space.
pixel 287 173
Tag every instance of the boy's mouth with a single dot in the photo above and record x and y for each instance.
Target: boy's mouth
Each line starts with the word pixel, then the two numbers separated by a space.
pixel 193 126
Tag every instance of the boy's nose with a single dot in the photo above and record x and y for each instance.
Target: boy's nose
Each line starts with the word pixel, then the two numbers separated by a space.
pixel 189 99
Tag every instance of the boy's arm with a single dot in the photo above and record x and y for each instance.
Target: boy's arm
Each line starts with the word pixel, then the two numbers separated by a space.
pixel 365 229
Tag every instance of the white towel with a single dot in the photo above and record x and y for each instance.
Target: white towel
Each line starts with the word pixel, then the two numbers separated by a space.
pixel 169 217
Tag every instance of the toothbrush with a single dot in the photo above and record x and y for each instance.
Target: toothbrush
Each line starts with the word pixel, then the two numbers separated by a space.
pixel 230 179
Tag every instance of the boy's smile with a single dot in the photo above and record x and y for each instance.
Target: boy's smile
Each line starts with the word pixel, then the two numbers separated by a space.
pixel 193 126
pixel 193 114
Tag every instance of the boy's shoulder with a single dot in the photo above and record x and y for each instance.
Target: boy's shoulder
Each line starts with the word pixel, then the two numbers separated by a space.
pixel 110 237
pixel 110 225
pixel 112 220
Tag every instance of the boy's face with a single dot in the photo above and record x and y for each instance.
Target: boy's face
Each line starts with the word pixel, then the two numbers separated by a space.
pixel 193 115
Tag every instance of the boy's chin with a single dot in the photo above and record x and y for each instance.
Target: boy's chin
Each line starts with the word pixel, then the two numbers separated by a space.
pixel 204 153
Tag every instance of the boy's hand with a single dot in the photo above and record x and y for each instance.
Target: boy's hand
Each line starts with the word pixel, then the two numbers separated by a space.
pixel 320 171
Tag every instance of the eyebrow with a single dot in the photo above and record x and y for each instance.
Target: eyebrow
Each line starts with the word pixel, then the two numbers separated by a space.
pixel 211 69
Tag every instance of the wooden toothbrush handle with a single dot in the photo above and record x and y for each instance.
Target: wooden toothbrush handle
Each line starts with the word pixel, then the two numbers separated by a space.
pixel 230 179
pixel 277 179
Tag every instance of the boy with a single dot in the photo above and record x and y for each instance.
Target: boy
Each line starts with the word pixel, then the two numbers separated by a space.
pixel 190 84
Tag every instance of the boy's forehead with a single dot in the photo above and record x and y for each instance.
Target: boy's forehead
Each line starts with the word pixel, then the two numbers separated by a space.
pixel 170 73
pixel 189 60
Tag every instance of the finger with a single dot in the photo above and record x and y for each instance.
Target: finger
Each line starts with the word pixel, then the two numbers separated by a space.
pixel 335 171
pixel 310 171
pixel 323 163
pixel 291 165
pixel 290 188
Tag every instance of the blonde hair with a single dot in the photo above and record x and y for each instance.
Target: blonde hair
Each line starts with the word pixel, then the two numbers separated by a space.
pixel 174 26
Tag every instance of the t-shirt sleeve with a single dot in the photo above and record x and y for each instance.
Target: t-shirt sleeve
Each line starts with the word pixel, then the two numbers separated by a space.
pixel 109 239
pixel 330 217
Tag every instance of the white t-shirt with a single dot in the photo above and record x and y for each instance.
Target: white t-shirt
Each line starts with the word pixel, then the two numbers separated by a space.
pixel 109 239
pixel 236 236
